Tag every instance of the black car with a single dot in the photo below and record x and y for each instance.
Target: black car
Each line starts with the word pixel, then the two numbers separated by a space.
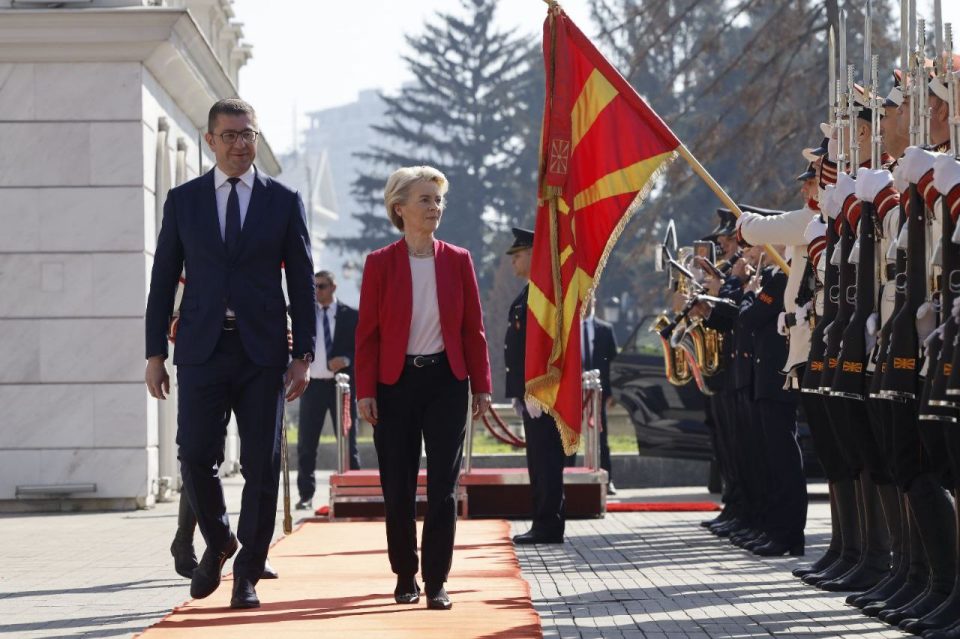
pixel 668 419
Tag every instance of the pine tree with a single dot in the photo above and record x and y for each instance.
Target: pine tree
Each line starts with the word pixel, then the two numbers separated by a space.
pixel 473 112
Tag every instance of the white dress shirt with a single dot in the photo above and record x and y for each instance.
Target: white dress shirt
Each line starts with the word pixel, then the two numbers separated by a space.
pixel 319 369
pixel 244 191
pixel 222 189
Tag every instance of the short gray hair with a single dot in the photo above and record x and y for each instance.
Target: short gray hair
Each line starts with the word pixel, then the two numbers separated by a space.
pixel 398 187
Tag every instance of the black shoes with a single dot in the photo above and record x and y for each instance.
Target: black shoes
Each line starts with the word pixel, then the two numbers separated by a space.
pixel 304 504
pixel 534 537
pixel 439 600
pixel 184 557
pixel 775 548
pixel 268 571
pixel 407 590
pixel 206 576
pixel 244 595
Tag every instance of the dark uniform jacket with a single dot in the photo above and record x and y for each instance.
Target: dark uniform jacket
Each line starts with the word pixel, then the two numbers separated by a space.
pixel 514 345
pixel 344 336
pixel 724 319
pixel 758 315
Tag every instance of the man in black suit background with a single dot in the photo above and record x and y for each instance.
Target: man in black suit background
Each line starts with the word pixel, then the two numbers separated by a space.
pixel 598 345
pixel 232 230
pixel 336 328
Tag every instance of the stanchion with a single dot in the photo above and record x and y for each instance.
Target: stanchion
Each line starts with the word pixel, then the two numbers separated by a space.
pixel 344 422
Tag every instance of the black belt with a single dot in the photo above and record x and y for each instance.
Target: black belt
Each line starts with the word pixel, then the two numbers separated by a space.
pixel 421 361
pixel 229 323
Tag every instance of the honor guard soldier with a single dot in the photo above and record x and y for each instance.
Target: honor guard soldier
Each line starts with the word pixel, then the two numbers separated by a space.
pixel 545 457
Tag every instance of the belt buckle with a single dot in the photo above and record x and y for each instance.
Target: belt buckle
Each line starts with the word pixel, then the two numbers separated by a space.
pixel 417 359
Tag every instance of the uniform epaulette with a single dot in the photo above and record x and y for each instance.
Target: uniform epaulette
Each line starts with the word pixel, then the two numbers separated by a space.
pixel 953 202
pixel 886 200
pixel 849 210
pixel 828 173
pixel 927 191
pixel 815 250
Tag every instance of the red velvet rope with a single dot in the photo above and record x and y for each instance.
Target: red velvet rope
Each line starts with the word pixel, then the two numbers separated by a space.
pixel 504 436
pixel 347 418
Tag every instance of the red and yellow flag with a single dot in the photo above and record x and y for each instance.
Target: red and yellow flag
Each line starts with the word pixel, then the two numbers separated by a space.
pixel 601 148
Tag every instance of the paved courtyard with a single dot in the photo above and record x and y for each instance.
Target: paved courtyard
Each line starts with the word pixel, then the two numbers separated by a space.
pixel 654 575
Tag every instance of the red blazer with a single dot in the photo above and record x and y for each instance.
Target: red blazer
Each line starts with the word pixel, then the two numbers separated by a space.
pixel 386 306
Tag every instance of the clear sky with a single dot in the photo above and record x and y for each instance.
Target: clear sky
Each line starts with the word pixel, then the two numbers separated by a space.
pixel 313 54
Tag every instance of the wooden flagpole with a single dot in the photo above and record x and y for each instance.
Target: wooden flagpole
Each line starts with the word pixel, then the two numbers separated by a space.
pixel 727 200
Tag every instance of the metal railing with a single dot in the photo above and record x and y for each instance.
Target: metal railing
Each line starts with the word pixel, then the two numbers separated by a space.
pixel 344 421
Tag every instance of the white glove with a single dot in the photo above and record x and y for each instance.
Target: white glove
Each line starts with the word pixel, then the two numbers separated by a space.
pixel 846 186
pixel 926 321
pixel 518 407
pixel 928 340
pixel 900 181
pixel 803 312
pixel 832 149
pixel 782 324
pixel 916 162
pixel 835 256
pixel 854 257
pixel 830 205
pixel 946 173
pixel 870 182
pixel 533 408
pixel 746 216
pixel 955 311
pixel 815 228
pixel 826 331
pixel 873 324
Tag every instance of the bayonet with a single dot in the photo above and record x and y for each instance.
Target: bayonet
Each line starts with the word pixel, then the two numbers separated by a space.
pixel 952 92
pixel 832 78
pixel 921 88
pixel 852 115
pixel 842 98
pixel 937 27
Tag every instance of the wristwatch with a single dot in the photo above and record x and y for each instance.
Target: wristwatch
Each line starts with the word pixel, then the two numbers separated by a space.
pixel 307 357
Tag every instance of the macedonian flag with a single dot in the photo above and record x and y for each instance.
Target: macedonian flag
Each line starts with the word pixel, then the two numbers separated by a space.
pixel 602 147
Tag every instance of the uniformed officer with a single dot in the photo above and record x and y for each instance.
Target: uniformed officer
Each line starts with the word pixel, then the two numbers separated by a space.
pixel 545 456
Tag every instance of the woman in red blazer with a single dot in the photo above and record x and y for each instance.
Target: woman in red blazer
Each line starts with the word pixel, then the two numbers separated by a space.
pixel 420 341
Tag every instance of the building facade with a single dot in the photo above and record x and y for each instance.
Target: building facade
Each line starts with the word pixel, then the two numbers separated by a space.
pixel 104 105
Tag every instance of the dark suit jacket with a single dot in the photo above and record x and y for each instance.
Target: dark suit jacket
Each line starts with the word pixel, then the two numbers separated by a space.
pixel 758 314
pixel 274 236
pixel 386 309
pixel 344 336
pixel 514 346
pixel 604 350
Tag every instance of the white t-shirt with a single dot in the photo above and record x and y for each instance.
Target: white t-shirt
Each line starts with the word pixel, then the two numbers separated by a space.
pixel 426 336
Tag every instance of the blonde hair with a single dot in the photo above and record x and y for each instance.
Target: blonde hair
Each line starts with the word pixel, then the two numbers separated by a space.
pixel 398 188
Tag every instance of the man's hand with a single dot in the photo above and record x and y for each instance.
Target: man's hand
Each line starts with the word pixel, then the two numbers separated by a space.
pixel 156 377
pixel 337 364
pixel 367 407
pixel 297 378
pixel 481 403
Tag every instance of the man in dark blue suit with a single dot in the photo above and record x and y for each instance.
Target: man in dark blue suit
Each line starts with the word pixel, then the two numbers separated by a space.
pixel 336 346
pixel 234 231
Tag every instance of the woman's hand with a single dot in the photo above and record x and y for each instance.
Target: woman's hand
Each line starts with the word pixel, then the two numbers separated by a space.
pixel 368 410
pixel 481 404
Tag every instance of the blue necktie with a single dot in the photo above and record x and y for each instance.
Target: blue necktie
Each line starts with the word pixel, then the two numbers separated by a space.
pixel 231 235
pixel 327 339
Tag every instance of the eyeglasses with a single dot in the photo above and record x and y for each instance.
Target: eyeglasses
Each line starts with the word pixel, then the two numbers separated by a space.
pixel 249 136
pixel 321 286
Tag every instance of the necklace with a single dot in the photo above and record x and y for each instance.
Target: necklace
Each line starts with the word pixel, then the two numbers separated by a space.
pixel 414 253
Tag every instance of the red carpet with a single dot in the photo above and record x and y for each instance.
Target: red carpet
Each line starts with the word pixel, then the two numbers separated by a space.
pixel 661 506
pixel 335 582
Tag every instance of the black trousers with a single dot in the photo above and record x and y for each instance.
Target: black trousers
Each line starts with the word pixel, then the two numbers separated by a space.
pixel 545 461
pixel 207 393
pixel 751 459
pixel 317 401
pixel 605 464
pixel 786 485
pixel 427 404
pixel 721 408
